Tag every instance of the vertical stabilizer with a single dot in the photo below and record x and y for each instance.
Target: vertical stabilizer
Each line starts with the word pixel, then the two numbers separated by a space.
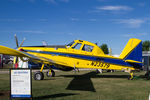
pixel 132 51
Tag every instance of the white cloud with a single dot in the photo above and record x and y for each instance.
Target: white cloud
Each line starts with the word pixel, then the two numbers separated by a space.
pixel 55 1
pixel 26 31
pixel 132 23
pixel 65 1
pixel 131 35
pixel 74 19
pixel 93 20
pixel 32 31
pixel 142 4
pixel 142 34
pixel 128 35
pixel 51 1
pixel 71 34
pixel 11 20
pixel 24 0
pixel 32 0
pixel 103 0
pixel 48 1
pixel 43 20
pixel 114 8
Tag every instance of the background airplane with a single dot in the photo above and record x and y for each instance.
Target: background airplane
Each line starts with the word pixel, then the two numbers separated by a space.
pixel 78 54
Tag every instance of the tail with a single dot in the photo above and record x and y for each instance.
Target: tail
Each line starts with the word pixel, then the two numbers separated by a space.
pixel 132 52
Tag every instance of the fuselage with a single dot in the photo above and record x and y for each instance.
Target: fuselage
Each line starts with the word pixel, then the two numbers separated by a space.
pixel 79 54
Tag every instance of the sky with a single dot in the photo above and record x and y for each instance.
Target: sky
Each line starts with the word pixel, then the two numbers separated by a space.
pixel 58 22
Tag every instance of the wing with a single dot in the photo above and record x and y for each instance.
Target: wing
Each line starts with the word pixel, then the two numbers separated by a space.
pixel 9 51
pixel 35 58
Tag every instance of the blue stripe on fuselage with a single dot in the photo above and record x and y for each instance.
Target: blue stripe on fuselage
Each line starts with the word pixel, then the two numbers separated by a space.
pixel 93 58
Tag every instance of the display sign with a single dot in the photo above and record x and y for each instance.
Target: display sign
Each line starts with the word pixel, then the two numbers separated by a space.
pixel 20 82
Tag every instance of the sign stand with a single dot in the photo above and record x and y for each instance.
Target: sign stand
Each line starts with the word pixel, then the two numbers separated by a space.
pixel 20 83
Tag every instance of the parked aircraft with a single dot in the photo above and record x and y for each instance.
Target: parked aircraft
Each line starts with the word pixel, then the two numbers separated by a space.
pixel 79 54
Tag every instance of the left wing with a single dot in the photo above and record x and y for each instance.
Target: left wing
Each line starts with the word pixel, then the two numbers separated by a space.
pixel 36 58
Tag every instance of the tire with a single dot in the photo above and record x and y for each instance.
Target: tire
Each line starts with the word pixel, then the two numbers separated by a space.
pixel 38 75
pixel 50 75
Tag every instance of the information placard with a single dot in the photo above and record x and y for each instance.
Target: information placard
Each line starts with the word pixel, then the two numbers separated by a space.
pixel 20 82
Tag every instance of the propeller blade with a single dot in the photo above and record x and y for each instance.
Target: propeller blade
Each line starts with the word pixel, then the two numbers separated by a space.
pixel 16 41
pixel 22 42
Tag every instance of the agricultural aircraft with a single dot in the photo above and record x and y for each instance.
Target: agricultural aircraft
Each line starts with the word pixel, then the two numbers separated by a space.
pixel 78 54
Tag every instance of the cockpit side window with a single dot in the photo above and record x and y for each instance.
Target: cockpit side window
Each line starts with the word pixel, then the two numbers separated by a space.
pixel 87 48
pixel 77 46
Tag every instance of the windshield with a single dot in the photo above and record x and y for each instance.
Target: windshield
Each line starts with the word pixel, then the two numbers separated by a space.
pixel 70 44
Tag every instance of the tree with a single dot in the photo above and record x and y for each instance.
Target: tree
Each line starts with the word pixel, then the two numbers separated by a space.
pixel 146 45
pixel 104 47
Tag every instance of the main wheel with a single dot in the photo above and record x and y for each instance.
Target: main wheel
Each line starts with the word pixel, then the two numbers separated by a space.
pixel 38 75
pixel 50 74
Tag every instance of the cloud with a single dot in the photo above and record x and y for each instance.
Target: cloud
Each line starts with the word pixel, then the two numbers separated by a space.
pixel 131 35
pixel 11 20
pixel 103 0
pixel 48 1
pixel 55 1
pixel 24 0
pixel 64 1
pixel 128 35
pixel 131 23
pixel 32 31
pixel 51 1
pixel 114 8
pixel 43 20
pixel 71 34
pixel 31 0
pixel 93 20
pixel 142 34
pixel 74 19
pixel 142 4
pixel 26 31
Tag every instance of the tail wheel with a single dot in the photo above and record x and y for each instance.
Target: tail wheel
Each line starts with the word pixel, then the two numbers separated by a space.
pixel 50 73
pixel 38 75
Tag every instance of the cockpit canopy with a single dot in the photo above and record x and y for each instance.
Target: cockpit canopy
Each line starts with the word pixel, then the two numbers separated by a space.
pixel 85 46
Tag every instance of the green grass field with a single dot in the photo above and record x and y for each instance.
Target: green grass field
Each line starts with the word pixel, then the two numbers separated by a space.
pixel 85 85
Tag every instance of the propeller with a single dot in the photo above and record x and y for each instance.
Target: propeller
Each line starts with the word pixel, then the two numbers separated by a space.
pixel 17 44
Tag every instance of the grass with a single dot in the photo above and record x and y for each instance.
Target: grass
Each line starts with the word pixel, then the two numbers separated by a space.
pixel 85 85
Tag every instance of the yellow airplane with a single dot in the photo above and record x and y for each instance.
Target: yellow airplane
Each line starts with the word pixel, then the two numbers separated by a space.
pixel 79 54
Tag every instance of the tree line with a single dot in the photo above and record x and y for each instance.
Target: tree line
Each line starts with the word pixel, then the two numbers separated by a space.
pixel 145 47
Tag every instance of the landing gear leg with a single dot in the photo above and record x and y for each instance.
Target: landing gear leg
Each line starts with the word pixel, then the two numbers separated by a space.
pixel 39 74
pixel 131 76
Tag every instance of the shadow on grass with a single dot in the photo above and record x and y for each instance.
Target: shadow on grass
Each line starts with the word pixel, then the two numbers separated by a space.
pixel 4 93
pixel 84 83
pixel 49 79
pixel 53 96
pixel 1 94
pixel 143 77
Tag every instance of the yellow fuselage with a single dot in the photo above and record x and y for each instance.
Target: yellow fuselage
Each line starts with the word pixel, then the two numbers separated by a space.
pixel 79 58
